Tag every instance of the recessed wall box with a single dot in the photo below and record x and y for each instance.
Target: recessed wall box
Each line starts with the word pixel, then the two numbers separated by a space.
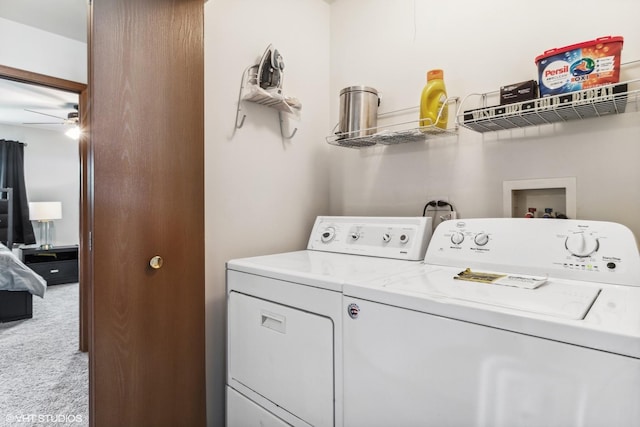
pixel 559 194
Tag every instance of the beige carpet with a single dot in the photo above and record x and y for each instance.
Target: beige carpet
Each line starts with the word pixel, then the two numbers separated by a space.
pixel 43 376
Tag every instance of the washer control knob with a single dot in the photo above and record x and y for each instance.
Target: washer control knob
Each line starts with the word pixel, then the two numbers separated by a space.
pixel 404 238
pixel 481 239
pixel 386 237
pixel 581 245
pixel 355 236
pixel 328 234
pixel 457 238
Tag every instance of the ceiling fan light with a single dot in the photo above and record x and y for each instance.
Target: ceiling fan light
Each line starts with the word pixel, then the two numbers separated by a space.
pixel 73 132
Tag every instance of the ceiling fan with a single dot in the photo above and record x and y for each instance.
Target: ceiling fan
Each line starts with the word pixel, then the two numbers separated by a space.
pixel 72 118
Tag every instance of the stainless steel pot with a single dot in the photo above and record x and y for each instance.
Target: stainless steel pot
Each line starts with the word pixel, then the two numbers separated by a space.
pixel 358 111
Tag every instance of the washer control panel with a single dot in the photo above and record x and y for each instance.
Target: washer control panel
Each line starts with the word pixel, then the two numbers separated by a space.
pixel 387 237
pixel 581 250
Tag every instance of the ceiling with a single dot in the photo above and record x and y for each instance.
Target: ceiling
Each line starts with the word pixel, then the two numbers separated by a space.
pixel 67 18
pixel 54 106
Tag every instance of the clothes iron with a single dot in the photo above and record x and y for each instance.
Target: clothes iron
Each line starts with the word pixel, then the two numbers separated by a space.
pixel 270 70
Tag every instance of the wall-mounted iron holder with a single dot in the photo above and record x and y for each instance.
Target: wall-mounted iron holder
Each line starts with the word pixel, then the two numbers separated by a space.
pixel 250 91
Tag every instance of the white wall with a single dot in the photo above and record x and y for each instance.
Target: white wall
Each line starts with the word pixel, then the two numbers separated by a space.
pixel 52 173
pixel 31 49
pixel 480 45
pixel 263 192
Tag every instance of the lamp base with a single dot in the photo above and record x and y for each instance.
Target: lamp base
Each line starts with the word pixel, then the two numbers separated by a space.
pixel 45 234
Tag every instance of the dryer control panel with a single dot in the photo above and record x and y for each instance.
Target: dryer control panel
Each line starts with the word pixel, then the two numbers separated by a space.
pixel 594 251
pixel 387 237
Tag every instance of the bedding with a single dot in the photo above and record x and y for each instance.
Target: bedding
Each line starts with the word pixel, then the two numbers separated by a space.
pixel 15 276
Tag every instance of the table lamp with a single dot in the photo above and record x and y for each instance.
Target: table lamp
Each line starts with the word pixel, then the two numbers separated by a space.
pixel 45 213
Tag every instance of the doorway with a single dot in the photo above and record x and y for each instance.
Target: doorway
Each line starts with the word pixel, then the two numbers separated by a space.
pixel 80 89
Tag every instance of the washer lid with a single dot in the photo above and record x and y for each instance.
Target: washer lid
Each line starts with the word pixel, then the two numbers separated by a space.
pixel 558 298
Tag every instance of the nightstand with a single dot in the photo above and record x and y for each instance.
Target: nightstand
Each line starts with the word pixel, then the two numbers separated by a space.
pixel 56 265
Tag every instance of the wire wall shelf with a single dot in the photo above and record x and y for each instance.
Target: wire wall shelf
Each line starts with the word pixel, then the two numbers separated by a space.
pixel 385 136
pixel 599 101
pixel 395 133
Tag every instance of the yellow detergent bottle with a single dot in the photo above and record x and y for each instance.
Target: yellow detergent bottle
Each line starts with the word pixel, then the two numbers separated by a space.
pixel 433 99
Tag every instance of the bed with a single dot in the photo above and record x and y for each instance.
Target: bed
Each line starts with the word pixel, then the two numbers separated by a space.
pixel 18 283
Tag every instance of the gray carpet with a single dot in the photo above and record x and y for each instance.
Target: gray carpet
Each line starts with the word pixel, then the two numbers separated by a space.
pixel 43 376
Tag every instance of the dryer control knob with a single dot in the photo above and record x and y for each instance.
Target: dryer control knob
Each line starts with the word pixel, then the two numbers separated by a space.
pixel 386 237
pixel 404 238
pixel 581 245
pixel 328 234
pixel 457 238
pixel 481 239
pixel 355 236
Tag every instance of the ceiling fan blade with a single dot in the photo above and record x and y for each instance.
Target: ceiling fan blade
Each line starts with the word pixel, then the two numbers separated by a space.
pixel 43 123
pixel 44 114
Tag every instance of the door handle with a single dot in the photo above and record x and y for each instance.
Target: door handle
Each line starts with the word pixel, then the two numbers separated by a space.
pixel 273 321
pixel 156 262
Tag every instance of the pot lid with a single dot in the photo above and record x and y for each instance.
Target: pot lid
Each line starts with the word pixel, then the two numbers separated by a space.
pixel 359 89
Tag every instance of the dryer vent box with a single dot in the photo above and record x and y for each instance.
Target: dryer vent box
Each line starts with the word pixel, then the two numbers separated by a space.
pixel 555 194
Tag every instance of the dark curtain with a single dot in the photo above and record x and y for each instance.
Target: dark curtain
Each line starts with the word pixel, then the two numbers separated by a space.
pixel 12 176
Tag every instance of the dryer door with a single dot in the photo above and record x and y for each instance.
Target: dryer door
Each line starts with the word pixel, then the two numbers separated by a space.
pixel 282 354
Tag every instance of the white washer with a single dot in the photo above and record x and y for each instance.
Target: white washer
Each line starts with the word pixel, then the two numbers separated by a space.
pixel 284 331
pixel 426 349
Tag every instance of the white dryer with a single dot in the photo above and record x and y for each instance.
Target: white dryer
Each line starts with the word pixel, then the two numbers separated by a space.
pixel 544 330
pixel 284 331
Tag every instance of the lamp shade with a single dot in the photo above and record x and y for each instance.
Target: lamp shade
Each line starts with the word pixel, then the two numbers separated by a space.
pixel 45 211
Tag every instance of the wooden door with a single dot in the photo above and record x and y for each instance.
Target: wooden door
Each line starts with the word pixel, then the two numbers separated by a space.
pixel 147 150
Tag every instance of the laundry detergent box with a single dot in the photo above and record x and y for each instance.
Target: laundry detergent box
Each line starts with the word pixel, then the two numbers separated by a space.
pixel 579 66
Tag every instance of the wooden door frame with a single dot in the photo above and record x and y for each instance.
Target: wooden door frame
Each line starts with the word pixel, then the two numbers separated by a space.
pixel 85 277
